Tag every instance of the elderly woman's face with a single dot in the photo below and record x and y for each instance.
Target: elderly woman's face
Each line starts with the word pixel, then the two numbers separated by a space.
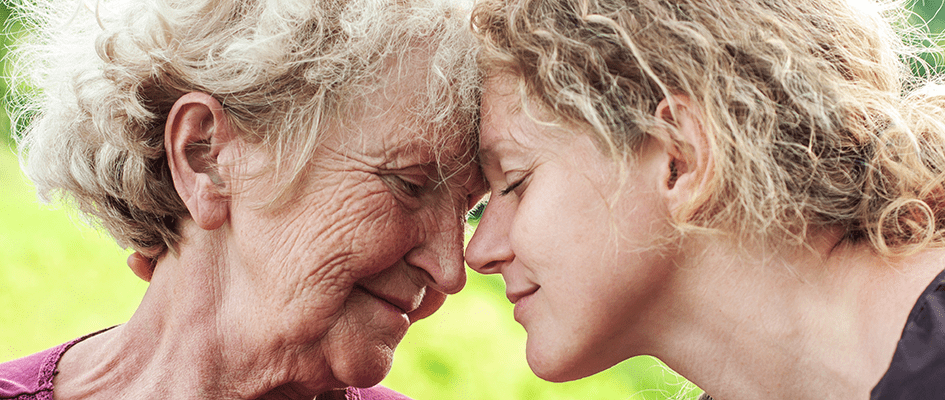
pixel 371 242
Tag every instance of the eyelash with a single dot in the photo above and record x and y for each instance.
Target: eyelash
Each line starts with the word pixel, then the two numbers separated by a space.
pixel 410 188
pixel 512 187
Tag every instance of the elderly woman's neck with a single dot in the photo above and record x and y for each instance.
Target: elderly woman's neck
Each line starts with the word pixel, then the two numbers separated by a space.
pixel 182 323
pixel 773 324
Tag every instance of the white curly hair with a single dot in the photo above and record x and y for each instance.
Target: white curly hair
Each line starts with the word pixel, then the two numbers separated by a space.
pixel 104 76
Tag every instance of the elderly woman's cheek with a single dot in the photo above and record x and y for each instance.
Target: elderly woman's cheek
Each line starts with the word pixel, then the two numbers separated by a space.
pixel 323 243
pixel 380 232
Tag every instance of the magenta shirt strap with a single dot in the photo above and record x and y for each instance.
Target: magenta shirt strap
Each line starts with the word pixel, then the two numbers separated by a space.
pixel 51 366
pixel 31 377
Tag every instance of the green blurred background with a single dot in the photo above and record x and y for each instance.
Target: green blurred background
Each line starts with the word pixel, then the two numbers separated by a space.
pixel 60 279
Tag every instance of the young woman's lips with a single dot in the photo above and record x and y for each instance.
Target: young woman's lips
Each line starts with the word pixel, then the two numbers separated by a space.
pixel 515 295
pixel 521 300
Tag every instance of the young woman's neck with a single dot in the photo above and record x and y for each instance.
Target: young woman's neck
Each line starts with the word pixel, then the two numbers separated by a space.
pixel 820 321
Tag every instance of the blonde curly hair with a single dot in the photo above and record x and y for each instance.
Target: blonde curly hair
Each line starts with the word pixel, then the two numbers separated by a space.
pixel 812 114
pixel 107 74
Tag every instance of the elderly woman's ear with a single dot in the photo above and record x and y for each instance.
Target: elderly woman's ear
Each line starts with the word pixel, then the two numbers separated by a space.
pixel 688 157
pixel 195 136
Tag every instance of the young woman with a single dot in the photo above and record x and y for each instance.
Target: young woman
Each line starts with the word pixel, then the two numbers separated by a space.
pixel 751 191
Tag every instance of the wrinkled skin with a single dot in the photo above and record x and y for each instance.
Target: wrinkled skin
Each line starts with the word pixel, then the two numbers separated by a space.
pixel 371 243
pixel 289 300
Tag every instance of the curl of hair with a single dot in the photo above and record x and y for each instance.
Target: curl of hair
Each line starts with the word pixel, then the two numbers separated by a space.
pixel 813 116
pixel 102 78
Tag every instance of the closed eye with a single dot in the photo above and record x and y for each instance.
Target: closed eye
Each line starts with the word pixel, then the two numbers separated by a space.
pixel 512 187
pixel 412 186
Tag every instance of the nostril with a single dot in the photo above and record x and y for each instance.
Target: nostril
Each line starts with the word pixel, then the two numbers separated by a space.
pixel 487 251
pixel 483 267
pixel 439 268
pixel 446 280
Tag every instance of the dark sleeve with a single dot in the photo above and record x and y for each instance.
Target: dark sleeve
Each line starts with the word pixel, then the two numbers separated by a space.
pixel 917 370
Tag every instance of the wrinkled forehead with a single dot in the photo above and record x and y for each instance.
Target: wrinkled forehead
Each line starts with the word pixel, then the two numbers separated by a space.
pixel 399 121
pixel 447 149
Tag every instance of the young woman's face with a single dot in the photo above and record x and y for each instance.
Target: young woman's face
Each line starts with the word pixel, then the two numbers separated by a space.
pixel 580 245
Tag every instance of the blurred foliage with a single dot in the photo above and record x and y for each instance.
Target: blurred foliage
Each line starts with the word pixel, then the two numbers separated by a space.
pixel 58 279
pixel 929 16
pixel 471 349
pixel 7 38
pixel 930 12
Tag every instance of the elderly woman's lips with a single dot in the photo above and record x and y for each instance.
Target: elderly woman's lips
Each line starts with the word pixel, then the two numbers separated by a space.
pixel 403 304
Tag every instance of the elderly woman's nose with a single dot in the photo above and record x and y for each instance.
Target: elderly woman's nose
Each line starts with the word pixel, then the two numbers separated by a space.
pixel 489 247
pixel 441 254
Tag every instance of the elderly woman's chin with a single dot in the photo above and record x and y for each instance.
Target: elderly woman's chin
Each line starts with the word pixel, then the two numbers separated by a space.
pixel 353 345
pixel 373 329
pixel 360 348
pixel 380 326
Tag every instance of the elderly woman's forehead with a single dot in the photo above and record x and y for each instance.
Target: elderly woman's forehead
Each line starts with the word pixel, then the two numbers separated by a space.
pixel 397 116
pixel 390 133
pixel 432 145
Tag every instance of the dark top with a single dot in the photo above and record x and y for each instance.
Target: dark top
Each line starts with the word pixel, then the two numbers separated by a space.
pixel 917 370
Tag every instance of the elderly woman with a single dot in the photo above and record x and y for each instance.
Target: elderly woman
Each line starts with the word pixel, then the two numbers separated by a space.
pixel 752 191
pixel 292 174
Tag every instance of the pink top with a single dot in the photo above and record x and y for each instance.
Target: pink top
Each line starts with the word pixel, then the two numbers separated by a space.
pixel 31 378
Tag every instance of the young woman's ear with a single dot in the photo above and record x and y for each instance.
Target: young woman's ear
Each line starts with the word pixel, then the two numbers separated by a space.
pixel 688 155
pixel 196 134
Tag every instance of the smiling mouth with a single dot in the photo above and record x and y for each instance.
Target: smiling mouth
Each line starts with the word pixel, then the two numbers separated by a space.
pixel 514 297
pixel 404 305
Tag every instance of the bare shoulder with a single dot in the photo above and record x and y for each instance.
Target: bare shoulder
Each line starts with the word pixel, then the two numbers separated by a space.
pixel 914 273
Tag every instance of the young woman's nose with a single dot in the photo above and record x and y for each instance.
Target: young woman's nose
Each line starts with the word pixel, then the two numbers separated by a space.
pixel 489 247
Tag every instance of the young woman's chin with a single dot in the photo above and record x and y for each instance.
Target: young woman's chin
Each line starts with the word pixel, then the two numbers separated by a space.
pixel 562 364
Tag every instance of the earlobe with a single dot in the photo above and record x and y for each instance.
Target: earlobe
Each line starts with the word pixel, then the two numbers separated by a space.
pixel 688 155
pixel 196 134
pixel 142 266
